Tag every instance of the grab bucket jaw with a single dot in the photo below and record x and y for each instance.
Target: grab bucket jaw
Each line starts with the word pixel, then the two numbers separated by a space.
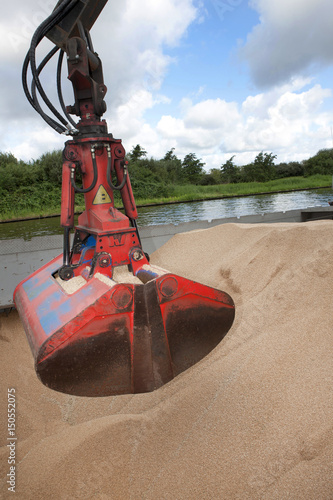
pixel 104 337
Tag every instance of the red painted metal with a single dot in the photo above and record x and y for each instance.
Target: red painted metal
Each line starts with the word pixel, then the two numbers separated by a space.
pixel 106 337
pixel 100 335
pixel 105 340
pixel 112 230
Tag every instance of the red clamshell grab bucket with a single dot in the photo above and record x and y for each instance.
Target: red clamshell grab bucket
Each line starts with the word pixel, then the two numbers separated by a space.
pixel 127 338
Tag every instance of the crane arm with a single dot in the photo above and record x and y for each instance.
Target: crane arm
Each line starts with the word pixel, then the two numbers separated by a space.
pixel 77 22
pixel 68 28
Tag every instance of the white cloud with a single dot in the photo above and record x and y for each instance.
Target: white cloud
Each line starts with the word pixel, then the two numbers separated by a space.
pixel 293 37
pixel 127 120
pixel 134 56
pixel 286 122
pixel 29 139
pixel 130 38
pixel 212 114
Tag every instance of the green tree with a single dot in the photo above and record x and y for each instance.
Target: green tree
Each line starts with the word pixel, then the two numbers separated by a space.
pixel 173 167
pixel 137 153
pixel 170 155
pixel 192 168
pixel 7 159
pixel 261 170
pixel 229 171
pixel 51 165
pixel 214 176
pixel 320 163
pixel 15 173
pixel 146 183
pixel 291 169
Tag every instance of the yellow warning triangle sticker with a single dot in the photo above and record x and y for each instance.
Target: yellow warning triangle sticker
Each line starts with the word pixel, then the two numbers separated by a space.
pixel 101 196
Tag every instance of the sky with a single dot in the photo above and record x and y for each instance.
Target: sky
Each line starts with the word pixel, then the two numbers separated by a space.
pixel 218 78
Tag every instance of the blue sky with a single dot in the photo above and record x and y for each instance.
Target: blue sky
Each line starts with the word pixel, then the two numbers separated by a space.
pixel 214 77
pixel 205 63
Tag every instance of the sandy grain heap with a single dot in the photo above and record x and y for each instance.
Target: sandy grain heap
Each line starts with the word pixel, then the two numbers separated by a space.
pixel 253 420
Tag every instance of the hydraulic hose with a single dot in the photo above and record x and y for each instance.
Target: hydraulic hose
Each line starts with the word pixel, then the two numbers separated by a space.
pixel 108 172
pixel 59 90
pixel 56 16
pixel 94 181
pixel 37 37
pixel 40 32
pixel 34 102
pixel 38 108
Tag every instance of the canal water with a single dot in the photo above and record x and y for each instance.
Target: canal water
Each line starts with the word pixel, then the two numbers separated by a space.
pixel 186 212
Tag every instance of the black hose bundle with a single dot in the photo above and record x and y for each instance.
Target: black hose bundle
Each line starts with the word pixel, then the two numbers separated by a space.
pixel 59 123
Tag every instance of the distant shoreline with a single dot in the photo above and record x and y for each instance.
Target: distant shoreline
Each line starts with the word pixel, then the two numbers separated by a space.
pixel 174 202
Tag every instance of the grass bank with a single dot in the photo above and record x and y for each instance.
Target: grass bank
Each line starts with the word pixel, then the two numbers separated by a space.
pixel 196 193
pixel 44 199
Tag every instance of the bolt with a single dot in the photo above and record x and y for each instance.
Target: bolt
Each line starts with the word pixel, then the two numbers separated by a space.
pixel 104 262
pixel 137 255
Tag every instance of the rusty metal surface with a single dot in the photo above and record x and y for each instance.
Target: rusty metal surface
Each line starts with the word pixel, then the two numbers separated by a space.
pixel 102 341
pixel 85 11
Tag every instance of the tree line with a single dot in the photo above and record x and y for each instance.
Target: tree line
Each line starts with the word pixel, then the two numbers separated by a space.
pixel 264 169
pixel 151 177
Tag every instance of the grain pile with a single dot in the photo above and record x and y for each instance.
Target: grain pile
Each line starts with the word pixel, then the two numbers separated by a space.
pixel 253 420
